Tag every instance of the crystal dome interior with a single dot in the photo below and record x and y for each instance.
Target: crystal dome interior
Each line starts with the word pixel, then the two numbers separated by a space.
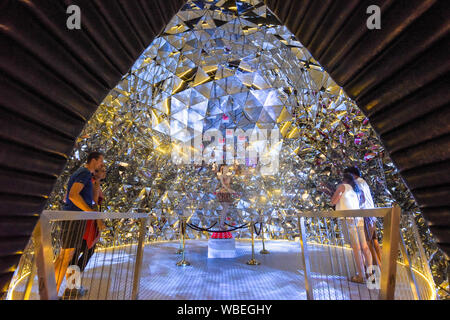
pixel 231 70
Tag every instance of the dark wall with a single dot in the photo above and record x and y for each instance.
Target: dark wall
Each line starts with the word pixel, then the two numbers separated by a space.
pixel 52 80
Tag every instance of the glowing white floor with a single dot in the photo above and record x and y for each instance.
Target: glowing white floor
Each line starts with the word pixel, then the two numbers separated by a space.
pixel 276 278
pixel 279 277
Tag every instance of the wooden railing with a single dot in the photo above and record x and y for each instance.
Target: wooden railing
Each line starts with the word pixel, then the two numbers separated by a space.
pixel 44 249
pixel 390 247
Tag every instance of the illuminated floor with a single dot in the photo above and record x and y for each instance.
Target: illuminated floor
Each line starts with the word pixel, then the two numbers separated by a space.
pixel 279 277
pixel 276 278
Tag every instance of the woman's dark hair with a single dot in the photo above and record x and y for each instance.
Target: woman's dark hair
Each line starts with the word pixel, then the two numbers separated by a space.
pixel 353 170
pixel 348 178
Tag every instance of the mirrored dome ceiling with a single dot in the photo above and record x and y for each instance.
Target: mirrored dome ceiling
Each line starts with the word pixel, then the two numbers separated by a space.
pixel 227 64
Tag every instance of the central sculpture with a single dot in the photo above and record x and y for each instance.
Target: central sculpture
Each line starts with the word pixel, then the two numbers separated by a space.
pixel 221 244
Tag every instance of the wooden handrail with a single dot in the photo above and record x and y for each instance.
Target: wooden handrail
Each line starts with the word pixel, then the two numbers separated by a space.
pixel 391 238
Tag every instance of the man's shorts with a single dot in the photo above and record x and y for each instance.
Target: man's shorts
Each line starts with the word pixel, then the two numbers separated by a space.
pixel 72 233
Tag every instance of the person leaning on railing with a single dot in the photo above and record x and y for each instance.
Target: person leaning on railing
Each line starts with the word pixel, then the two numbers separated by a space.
pixel 348 197
pixel 93 227
pixel 79 197
pixel 369 222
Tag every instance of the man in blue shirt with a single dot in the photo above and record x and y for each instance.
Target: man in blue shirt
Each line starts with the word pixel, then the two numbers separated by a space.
pixel 79 197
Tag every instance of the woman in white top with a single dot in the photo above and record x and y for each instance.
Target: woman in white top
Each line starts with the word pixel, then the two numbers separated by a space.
pixel 369 222
pixel 347 197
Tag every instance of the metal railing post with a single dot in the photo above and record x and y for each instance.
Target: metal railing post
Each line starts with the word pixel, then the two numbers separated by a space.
pixel 305 257
pixel 264 250
pixel 389 254
pixel 139 257
pixel 253 261
pixel 44 260
pixel 180 233
pixel 183 262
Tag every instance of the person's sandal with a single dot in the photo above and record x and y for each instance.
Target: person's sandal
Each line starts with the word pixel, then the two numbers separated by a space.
pixel 357 279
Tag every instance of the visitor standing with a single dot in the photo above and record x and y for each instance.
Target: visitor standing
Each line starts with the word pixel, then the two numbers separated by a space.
pixel 93 227
pixel 347 197
pixel 79 197
pixel 370 226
